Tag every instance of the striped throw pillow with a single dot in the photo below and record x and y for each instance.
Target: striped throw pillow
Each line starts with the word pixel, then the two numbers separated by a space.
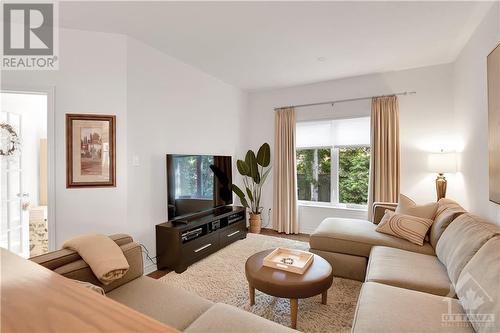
pixel 403 226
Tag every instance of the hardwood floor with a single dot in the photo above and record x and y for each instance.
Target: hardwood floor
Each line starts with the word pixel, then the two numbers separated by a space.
pixel 158 274
pixel 268 232
pixel 299 237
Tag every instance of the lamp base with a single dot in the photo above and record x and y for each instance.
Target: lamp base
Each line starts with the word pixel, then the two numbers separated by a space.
pixel 441 186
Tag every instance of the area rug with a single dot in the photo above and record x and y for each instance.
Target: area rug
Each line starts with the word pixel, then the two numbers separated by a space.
pixel 221 278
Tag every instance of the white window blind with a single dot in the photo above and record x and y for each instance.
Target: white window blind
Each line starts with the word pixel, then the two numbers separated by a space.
pixel 333 133
pixel 314 134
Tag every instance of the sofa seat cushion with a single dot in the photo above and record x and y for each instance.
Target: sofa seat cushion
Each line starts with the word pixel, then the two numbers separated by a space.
pixel 388 309
pixel 356 237
pixel 409 270
pixel 172 306
pixel 225 318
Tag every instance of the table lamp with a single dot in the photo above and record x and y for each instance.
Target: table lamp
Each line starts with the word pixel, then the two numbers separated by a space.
pixel 443 162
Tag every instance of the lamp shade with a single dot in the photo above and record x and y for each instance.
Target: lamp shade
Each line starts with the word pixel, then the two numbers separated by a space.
pixel 443 162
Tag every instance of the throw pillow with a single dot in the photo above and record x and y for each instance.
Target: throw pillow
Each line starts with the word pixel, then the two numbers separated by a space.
pixel 409 207
pixel 403 226
pixel 90 286
pixel 448 210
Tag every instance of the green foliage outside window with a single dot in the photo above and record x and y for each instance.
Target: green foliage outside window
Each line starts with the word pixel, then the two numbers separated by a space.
pixel 354 172
pixel 305 160
pixel 310 188
pixel 314 168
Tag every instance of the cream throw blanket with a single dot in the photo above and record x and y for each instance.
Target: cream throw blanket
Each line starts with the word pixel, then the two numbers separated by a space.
pixel 102 254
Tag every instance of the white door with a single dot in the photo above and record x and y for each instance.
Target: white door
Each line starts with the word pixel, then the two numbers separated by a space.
pixel 14 233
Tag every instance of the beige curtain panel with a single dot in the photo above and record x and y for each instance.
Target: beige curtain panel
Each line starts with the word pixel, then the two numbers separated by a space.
pixel 285 174
pixel 385 151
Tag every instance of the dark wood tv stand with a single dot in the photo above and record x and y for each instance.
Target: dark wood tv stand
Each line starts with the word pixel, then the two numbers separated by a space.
pixel 180 244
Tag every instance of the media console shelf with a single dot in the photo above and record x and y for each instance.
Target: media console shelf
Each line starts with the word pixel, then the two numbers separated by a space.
pixel 182 243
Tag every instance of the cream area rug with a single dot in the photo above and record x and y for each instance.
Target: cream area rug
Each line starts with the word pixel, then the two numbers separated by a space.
pixel 221 278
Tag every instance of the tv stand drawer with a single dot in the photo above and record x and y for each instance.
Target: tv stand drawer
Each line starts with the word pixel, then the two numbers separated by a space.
pixel 232 233
pixel 201 247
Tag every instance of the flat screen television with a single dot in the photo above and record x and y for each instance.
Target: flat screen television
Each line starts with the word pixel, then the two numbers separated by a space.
pixel 197 183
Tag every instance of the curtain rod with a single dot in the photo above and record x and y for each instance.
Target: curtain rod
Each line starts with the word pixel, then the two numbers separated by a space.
pixel 352 99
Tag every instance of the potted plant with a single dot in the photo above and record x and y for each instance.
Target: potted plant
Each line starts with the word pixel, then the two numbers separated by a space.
pixel 254 169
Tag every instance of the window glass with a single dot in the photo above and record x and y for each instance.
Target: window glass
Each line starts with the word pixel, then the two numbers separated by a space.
pixel 354 172
pixel 314 174
pixel 333 161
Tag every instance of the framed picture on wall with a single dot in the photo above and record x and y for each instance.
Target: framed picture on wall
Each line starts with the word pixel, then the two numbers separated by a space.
pixel 90 150
pixel 494 123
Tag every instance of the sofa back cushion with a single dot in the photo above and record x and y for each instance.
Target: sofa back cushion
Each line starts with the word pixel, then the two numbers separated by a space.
pixel 447 211
pixel 460 242
pixel 478 287
pixel 408 207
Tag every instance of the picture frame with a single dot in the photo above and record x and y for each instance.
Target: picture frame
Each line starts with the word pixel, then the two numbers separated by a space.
pixel 90 150
pixel 493 70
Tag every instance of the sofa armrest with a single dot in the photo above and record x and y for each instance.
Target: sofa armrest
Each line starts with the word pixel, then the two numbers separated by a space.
pixel 379 208
pixel 69 264
pixel 58 258
pixel 79 270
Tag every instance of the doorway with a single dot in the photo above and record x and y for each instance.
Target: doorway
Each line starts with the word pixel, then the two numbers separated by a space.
pixel 24 172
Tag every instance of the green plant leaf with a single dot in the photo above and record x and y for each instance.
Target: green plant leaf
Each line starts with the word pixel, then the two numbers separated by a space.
pixel 251 161
pixel 249 193
pixel 244 202
pixel 264 155
pixel 238 191
pixel 256 178
pixel 241 195
pixel 264 176
pixel 243 168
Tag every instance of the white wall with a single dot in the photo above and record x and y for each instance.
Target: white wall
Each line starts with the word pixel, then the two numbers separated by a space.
pixel 172 108
pixel 91 79
pixel 425 124
pixel 471 115
pixel 162 106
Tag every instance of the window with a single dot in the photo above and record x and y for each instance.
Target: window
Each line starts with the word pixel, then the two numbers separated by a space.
pixel 333 161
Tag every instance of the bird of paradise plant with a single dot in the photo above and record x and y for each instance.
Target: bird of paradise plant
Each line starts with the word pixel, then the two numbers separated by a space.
pixel 255 169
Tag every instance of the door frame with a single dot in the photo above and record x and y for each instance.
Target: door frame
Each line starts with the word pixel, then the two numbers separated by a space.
pixel 49 91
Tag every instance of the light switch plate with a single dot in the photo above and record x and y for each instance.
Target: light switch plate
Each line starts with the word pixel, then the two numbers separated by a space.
pixel 135 160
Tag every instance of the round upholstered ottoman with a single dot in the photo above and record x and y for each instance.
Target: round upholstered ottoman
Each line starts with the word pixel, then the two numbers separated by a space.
pixel 316 280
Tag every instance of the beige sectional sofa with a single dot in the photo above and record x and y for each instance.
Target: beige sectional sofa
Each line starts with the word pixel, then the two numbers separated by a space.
pixel 172 306
pixel 450 284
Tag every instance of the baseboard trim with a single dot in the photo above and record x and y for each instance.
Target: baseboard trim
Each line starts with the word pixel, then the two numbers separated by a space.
pixel 149 268
pixel 307 231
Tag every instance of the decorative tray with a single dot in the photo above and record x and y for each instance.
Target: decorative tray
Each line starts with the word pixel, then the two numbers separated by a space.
pixel 294 261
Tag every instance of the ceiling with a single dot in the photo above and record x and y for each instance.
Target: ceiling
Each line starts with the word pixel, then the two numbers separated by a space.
pixel 262 45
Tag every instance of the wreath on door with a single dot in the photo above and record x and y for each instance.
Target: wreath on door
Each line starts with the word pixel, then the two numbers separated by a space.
pixel 9 140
